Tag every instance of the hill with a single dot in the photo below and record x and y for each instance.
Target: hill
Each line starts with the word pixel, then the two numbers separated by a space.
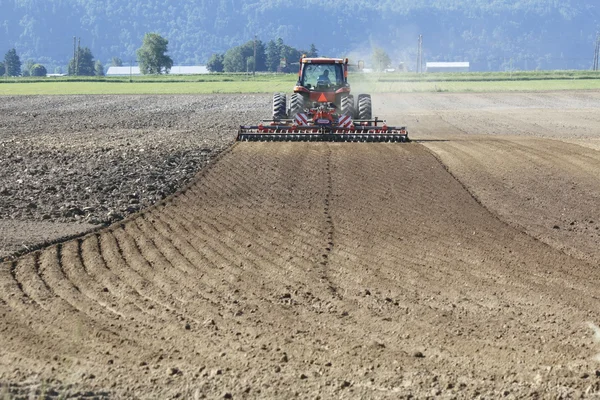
pixel 522 34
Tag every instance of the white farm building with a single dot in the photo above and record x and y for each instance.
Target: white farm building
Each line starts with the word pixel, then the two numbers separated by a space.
pixel 175 70
pixel 447 67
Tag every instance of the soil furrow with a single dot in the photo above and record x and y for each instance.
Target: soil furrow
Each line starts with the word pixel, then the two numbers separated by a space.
pixel 135 260
pixel 264 249
pixel 27 274
pixel 65 289
pixel 113 286
pixel 155 265
pixel 74 272
pixel 117 264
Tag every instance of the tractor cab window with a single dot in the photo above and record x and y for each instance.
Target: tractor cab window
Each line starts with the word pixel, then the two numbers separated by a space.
pixel 322 76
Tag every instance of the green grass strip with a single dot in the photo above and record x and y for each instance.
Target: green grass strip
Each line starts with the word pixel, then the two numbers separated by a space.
pixel 269 83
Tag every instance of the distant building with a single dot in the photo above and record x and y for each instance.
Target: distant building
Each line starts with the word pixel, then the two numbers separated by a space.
pixel 175 70
pixel 192 70
pixel 121 71
pixel 447 67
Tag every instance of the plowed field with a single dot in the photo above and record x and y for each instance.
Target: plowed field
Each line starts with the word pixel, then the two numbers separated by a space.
pixel 464 264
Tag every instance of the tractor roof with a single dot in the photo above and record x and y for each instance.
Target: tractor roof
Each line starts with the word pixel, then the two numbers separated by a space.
pixel 322 60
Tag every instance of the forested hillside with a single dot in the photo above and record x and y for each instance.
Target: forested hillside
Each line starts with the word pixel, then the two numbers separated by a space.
pixel 492 35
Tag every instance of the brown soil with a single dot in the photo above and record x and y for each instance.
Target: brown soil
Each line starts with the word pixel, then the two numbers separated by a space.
pixel 461 265
pixel 91 160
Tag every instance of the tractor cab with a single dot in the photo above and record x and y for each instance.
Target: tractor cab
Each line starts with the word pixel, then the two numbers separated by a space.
pixel 322 77
pixel 323 80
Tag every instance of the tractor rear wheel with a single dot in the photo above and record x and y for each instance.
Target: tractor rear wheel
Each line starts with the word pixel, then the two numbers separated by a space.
pixel 296 104
pixel 364 106
pixel 279 106
pixel 347 105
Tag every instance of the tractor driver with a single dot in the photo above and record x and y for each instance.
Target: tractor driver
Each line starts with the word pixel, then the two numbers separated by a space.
pixel 324 78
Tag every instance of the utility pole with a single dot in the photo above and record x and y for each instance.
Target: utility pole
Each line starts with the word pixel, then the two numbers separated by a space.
pixel 595 61
pixel 596 52
pixel 74 55
pixel 420 54
pixel 254 63
pixel 78 53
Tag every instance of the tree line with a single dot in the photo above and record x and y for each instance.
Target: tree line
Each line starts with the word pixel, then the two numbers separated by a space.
pixel 152 59
pixel 82 64
pixel 276 56
pixel 252 56
pixel 12 66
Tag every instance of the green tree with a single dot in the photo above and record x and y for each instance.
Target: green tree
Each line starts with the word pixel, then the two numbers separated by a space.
pixel 26 69
pixel 278 50
pixel 215 64
pixel 381 60
pixel 272 56
pixel 116 62
pixel 313 52
pixel 248 52
pixel 233 60
pixel 151 56
pixel 38 70
pixel 292 56
pixel 98 68
pixel 2 69
pixel 83 63
pixel 12 63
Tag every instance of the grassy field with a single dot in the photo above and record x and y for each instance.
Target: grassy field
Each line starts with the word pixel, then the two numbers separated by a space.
pixel 267 83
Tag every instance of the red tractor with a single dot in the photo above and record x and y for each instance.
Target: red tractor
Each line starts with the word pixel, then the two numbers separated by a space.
pixel 322 109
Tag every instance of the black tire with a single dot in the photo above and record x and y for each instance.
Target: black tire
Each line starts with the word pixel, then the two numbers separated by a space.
pixel 279 106
pixel 347 105
pixel 296 104
pixel 364 106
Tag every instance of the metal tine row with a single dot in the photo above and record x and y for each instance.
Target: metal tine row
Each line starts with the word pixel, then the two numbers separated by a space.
pixel 258 137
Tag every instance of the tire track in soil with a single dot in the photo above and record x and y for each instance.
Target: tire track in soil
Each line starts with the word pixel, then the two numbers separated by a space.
pixel 339 259
pixel 329 224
